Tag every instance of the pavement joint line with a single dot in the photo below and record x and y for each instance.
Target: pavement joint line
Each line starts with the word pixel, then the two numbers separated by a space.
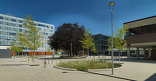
pixel 69 69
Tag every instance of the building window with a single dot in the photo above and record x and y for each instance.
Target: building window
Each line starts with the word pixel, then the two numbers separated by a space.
pixel 45 33
pixel 20 25
pixel 41 25
pixel 1 17
pixel 1 22
pixel 20 21
pixel 20 30
pixel 47 26
pixel 14 20
pixel 12 34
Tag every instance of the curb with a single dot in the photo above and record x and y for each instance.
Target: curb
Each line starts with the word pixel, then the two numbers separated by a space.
pixel 69 69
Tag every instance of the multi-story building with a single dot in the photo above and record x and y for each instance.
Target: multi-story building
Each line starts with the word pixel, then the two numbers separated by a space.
pixel 142 34
pixel 101 42
pixel 9 25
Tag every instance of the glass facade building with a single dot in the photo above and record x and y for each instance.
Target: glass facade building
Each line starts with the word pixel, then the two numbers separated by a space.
pixel 101 42
pixel 10 25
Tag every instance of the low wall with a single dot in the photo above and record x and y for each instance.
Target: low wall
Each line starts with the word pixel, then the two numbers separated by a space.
pixel 36 53
pixel 5 53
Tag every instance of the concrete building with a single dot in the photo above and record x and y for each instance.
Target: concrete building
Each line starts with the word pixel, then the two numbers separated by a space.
pixel 9 25
pixel 141 34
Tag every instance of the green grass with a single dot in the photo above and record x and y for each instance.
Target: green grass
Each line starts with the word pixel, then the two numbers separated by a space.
pixel 84 65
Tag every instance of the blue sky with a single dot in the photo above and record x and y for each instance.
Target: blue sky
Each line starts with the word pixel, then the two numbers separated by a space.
pixel 93 14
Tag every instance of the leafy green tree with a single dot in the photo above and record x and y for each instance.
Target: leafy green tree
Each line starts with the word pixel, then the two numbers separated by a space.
pixel 33 38
pixel 67 36
pixel 119 41
pixel 88 41
pixel 15 47
pixel 21 40
pixel 48 50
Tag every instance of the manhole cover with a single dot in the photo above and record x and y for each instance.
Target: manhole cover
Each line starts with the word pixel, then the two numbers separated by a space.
pixel 34 65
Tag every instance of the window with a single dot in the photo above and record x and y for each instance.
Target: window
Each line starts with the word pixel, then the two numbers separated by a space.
pixel 14 20
pixel 45 33
pixel 20 21
pixel 20 25
pixel 41 25
pixel 1 17
pixel 12 34
pixel 14 29
pixel 6 18
pixel 1 22
pixel 20 30
pixel 10 24
pixel 47 26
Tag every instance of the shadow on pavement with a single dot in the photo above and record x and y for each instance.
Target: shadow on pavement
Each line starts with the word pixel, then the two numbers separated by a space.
pixel 13 64
pixel 96 73
pixel 134 60
pixel 52 58
pixel 111 76
pixel 151 78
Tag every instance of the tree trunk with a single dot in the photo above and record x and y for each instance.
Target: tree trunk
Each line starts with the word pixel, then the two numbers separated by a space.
pixel 34 55
pixel 119 55
pixel 83 52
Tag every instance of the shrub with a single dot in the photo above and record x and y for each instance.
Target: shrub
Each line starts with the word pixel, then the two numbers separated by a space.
pixel 84 65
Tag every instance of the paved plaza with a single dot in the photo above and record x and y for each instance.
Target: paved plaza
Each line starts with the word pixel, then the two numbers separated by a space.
pixel 18 69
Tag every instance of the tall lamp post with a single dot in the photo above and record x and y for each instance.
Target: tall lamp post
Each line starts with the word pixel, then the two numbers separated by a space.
pixel 111 5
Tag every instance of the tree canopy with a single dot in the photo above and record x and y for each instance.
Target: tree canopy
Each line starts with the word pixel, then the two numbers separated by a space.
pixel 67 36
pixel 88 41
pixel 33 39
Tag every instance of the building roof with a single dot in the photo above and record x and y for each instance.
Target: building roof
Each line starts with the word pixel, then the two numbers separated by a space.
pixel 140 19
pixel 102 35
pixel 7 15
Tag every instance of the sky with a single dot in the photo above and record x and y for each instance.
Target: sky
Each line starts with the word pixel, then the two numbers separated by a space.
pixel 95 15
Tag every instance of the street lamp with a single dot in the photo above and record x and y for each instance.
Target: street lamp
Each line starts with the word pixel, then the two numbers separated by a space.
pixel 111 5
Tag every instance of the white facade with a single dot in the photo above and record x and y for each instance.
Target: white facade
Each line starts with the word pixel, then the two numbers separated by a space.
pixel 9 25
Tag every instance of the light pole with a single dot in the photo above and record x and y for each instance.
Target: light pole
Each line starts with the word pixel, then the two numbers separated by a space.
pixel 111 5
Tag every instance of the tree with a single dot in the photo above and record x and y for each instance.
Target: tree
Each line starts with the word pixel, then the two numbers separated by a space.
pixel 67 37
pixel 21 40
pixel 15 47
pixel 33 39
pixel 88 41
pixel 119 41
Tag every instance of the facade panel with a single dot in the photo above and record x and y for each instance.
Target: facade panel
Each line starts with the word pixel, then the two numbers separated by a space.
pixel 9 25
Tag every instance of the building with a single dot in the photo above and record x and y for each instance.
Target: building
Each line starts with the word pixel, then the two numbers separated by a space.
pixel 101 43
pixel 9 25
pixel 141 34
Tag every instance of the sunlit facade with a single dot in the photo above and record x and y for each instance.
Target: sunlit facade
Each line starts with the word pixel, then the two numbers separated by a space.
pixel 9 25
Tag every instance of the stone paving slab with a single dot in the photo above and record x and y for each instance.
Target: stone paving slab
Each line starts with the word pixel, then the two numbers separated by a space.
pixel 18 69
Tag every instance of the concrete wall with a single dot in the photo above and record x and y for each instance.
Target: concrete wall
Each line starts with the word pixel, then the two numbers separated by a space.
pixel 5 53
pixel 143 22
